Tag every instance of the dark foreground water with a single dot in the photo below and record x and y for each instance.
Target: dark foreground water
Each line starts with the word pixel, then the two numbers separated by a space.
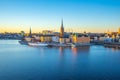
pixel 22 62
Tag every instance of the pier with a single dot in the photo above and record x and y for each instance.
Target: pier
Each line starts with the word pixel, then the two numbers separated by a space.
pixel 112 45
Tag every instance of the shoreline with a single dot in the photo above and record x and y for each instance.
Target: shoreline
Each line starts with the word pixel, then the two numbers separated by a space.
pixel 115 45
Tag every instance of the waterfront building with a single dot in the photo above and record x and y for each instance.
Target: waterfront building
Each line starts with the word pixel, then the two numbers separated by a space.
pixel 119 40
pixel 46 38
pixel 28 39
pixel 67 40
pixel 10 36
pixel 113 36
pixel 55 39
pixel 101 38
pixel 36 38
pixel 62 40
pixel 117 36
pixel 83 39
pixel 96 38
pixel 108 40
pixel 76 38
pixel 119 31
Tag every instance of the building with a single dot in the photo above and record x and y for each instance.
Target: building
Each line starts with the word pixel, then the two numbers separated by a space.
pixel 62 39
pixel 47 32
pixel 36 38
pixel 67 40
pixel 119 31
pixel 55 39
pixel 46 38
pixel 62 30
pixel 30 33
pixel 80 39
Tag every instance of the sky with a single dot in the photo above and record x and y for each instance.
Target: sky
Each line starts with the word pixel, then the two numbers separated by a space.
pixel 77 15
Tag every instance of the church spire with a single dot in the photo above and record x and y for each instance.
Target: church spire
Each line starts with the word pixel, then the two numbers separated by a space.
pixel 62 29
pixel 30 33
pixel 62 23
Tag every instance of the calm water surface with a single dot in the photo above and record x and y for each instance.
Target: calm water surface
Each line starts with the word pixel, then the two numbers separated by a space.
pixel 22 62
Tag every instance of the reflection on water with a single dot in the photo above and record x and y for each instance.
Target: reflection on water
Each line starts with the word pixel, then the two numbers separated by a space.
pixel 19 62
pixel 61 50
pixel 77 50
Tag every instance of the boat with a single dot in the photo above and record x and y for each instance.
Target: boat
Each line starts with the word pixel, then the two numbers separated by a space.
pixel 23 42
pixel 37 44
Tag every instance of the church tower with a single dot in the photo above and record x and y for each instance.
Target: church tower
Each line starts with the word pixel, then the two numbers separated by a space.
pixel 30 33
pixel 62 30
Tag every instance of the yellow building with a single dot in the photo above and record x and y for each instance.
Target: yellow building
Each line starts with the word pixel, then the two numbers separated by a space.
pixel 119 31
pixel 74 38
pixel 46 38
pixel 113 36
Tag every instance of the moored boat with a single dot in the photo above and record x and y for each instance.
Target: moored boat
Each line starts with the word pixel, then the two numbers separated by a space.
pixel 37 44
pixel 23 42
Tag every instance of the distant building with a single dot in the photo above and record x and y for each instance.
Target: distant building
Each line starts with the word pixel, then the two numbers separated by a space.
pixel 80 39
pixel 62 40
pixel 67 40
pixel 46 38
pixel 36 38
pixel 47 32
pixel 28 39
pixel 119 31
pixel 55 39
pixel 108 40
pixel 101 38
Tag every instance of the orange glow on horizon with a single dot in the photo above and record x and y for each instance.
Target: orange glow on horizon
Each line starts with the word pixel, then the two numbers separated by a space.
pixel 16 29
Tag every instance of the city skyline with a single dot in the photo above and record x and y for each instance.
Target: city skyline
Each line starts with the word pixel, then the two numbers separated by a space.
pixel 78 15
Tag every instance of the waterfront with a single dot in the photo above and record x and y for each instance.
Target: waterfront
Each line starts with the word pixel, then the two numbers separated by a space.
pixel 22 62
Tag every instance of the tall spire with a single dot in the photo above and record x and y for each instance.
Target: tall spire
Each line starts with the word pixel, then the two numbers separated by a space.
pixel 62 29
pixel 62 23
pixel 30 30
pixel 30 33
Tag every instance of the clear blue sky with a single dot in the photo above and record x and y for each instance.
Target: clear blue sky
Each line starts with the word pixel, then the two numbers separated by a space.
pixel 79 15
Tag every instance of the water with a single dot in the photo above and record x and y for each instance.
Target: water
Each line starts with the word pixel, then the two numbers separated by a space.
pixel 22 62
